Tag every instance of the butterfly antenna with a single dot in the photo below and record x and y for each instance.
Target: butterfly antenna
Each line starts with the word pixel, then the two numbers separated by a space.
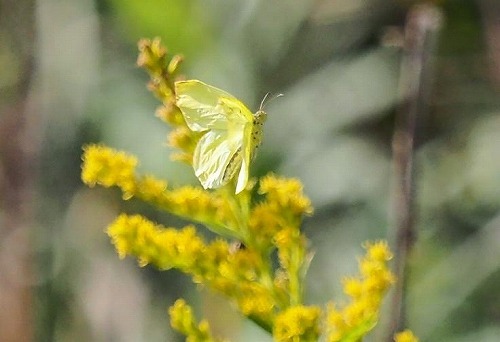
pixel 263 102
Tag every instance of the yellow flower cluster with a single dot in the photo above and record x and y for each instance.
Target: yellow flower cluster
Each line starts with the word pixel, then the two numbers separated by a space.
pixel 267 224
pixel 275 223
pixel 405 336
pixel 151 244
pixel 286 194
pixel 244 275
pixel 232 273
pixel 239 275
pixel 297 323
pixel 108 167
pixel 366 292
pixel 182 319
pixel 284 207
pixel 153 58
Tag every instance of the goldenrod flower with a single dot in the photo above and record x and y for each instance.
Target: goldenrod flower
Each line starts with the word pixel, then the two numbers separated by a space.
pixel 366 292
pixel 286 194
pixel 405 336
pixel 185 140
pixel 255 300
pixel 182 319
pixel 233 274
pixel 151 55
pixel 107 167
pixel 163 73
pixel 379 251
pixel 154 244
pixel 297 323
pixel 268 292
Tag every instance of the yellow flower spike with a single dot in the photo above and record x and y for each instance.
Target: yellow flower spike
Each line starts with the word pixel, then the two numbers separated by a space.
pixel 405 336
pixel 185 140
pixel 208 267
pixel 335 322
pixel 287 241
pixel 157 49
pixel 291 245
pixel 174 63
pixel 181 315
pixel 255 300
pixel 286 193
pixel 212 265
pixel 269 225
pixel 151 55
pixel 108 167
pixel 206 207
pixel 151 188
pixel 360 315
pixel 264 221
pixel 182 319
pixel 353 287
pixel 297 323
pixel 378 282
pixel 153 244
pixel 169 113
pixel 357 312
pixel 246 262
pixel 161 89
pixel 378 251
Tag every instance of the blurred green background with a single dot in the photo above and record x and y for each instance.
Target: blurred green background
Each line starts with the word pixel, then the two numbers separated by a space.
pixel 68 77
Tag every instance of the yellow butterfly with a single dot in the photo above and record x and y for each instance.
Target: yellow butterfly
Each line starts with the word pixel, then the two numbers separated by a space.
pixel 232 133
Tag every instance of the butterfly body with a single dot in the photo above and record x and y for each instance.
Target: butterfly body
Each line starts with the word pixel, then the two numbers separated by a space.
pixel 258 121
pixel 232 167
pixel 232 133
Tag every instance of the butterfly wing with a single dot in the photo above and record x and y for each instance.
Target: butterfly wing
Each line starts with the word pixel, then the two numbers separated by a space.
pixel 212 156
pixel 229 126
pixel 205 107
pixel 246 150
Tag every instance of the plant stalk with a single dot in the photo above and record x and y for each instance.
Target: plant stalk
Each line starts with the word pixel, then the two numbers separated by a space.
pixel 423 23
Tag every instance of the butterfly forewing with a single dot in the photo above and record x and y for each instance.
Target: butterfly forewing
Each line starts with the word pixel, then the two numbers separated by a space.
pixel 205 107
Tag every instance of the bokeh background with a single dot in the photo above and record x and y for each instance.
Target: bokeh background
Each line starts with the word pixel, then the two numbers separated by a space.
pixel 68 77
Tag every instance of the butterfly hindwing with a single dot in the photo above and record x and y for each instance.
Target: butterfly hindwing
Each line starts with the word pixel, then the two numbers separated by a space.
pixel 212 156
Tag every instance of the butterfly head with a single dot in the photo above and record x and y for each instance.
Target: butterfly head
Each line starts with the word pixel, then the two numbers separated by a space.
pixel 260 116
pixel 258 120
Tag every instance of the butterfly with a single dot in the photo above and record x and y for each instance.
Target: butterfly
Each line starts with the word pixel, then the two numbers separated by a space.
pixel 232 133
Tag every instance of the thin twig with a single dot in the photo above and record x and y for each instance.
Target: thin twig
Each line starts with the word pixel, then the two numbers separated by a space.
pixel 422 24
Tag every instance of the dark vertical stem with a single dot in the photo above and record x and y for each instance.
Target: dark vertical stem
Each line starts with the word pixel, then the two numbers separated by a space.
pixel 17 148
pixel 423 22
pixel 490 16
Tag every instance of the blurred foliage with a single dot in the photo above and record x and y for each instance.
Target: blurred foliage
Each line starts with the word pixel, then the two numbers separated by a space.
pixel 183 24
pixel 338 64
